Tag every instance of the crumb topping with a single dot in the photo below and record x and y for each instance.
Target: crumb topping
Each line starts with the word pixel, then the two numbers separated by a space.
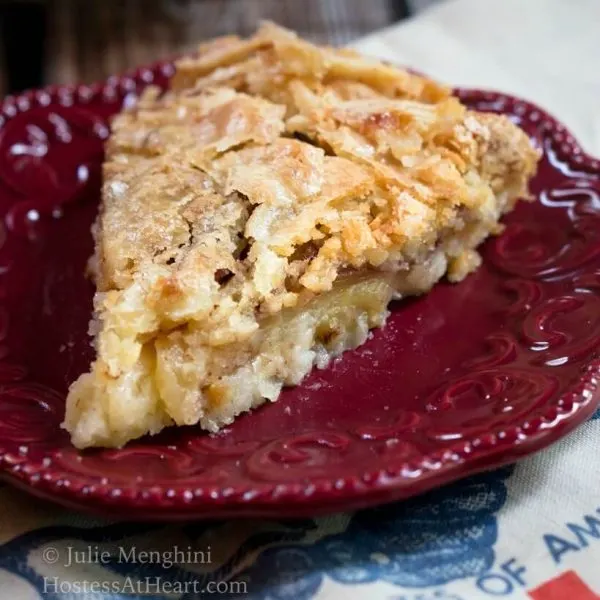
pixel 272 166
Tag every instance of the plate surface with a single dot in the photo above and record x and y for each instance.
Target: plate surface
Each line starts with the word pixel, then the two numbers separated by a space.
pixel 470 377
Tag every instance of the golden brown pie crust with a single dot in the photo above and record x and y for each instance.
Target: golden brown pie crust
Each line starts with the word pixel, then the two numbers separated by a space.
pixel 274 172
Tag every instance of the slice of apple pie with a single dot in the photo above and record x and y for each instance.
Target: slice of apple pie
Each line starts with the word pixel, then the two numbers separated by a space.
pixel 258 217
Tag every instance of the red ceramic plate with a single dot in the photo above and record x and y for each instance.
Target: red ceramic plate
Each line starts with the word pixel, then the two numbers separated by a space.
pixel 467 378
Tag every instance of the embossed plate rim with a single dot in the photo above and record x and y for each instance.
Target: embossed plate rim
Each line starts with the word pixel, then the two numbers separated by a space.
pixel 403 479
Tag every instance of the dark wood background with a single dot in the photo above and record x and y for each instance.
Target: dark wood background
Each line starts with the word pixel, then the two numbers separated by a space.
pixel 63 41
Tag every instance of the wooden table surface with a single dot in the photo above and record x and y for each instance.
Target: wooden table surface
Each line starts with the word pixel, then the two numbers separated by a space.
pixel 86 40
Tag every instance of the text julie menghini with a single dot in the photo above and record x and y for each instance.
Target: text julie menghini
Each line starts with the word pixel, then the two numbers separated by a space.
pixel 71 555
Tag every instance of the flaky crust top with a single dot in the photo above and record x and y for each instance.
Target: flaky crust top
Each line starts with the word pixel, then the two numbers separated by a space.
pixel 274 166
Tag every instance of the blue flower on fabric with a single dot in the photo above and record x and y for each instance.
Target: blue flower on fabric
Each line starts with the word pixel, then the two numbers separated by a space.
pixel 431 540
